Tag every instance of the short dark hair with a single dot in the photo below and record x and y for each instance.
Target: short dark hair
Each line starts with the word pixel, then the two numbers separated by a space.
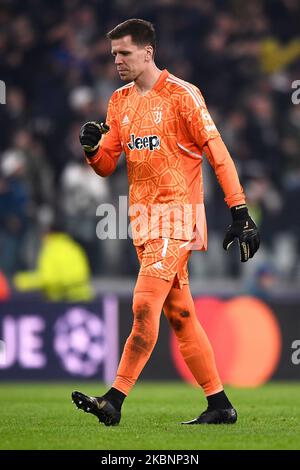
pixel 141 31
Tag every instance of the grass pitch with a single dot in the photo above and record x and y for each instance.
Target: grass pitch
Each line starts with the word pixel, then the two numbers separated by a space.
pixel 41 416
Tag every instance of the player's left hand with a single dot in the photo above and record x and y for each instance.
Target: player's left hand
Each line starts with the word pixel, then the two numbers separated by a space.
pixel 244 229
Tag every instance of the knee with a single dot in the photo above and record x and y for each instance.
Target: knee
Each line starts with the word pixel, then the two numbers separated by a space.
pixel 177 316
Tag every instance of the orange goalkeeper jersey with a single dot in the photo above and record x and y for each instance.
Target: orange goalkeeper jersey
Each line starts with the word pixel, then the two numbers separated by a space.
pixel 163 134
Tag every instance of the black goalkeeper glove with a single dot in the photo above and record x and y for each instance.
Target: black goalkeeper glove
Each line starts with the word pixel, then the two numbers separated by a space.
pixel 90 135
pixel 244 229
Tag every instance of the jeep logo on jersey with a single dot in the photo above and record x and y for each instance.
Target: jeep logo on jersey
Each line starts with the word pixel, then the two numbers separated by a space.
pixel 150 142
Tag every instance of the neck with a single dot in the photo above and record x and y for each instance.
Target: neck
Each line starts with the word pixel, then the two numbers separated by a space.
pixel 147 79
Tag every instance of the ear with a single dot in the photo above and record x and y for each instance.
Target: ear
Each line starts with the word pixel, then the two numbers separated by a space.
pixel 149 53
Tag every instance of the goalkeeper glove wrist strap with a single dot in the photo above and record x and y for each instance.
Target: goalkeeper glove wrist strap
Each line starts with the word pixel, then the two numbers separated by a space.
pixel 91 153
pixel 239 212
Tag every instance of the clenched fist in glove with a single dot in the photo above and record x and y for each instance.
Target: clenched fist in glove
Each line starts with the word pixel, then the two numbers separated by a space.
pixel 90 135
pixel 244 229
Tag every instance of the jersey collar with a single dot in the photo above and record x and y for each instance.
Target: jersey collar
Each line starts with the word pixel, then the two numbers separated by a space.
pixel 160 83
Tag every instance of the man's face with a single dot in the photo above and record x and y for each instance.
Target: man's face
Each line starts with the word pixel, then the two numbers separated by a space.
pixel 130 59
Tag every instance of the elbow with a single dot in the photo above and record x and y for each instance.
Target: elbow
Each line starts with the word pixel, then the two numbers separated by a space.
pixel 105 173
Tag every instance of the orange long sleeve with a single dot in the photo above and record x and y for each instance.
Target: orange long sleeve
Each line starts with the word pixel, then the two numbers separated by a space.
pixel 222 163
pixel 103 163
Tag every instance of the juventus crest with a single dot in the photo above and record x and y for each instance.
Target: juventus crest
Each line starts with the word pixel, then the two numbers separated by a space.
pixel 157 112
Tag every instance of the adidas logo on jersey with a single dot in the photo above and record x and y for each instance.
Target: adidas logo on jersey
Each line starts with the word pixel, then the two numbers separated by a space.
pixel 151 142
pixel 125 120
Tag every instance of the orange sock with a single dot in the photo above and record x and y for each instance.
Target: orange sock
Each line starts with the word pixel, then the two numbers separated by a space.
pixel 148 299
pixel 194 345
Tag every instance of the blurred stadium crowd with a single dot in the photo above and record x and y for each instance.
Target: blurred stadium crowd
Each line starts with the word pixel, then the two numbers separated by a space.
pixel 59 73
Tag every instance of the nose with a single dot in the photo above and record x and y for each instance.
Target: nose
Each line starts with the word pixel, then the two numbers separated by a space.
pixel 118 59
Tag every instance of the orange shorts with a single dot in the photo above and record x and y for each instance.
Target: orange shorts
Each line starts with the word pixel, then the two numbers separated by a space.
pixel 166 258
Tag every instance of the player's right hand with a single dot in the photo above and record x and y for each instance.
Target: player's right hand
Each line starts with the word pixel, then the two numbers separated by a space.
pixel 90 136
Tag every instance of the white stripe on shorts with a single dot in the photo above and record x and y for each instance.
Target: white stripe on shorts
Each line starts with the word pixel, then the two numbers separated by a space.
pixel 164 251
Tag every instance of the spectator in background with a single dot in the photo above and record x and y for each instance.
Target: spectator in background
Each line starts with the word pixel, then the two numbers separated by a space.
pixel 262 134
pixel 37 176
pixel 15 116
pixel 14 210
pixel 263 283
pixel 265 202
pixel 291 143
pixel 243 55
pixel 62 273
pixel 80 195
pixel 265 205
pixel 290 221
pixel 38 172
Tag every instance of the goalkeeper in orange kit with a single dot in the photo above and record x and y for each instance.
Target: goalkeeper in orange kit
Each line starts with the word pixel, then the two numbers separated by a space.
pixel 162 124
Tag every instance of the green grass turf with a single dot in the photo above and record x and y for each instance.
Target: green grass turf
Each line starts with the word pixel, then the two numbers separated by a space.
pixel 41 416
